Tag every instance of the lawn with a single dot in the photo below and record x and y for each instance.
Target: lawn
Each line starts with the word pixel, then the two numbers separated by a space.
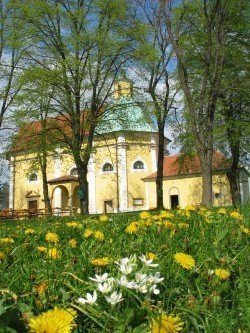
pixel 159 272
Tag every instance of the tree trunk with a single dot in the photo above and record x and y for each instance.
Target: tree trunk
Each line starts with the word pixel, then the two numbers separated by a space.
pixel 232 176
pixel 205 157
pixel 46 198
pixel 82 169
pixel 159 177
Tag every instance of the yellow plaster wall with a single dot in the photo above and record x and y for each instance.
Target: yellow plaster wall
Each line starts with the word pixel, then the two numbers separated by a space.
pixel 190 191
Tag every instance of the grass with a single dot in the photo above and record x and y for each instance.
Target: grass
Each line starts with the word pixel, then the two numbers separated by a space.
pixel 31 282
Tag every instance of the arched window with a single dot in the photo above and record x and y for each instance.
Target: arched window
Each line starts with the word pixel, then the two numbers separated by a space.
pixel 33 177
pixel 74 172
pixel 107 167
pixel 138 165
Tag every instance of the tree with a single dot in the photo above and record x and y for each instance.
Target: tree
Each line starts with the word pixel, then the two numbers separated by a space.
pixel 197 32
pixel 85 44
pixel 12 50
pixel 157 68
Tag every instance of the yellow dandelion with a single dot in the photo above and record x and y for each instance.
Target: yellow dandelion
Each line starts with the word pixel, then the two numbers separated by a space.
pixel 236 215
pixel 222 211
pixel 146 223
pixel 53 321
pixel 41 287
pixel 144 215
pixel 42 249
pixel 7 240
pixel 183 225
pixel 99 235
pixel 245 230
pixel 166 215
pixel 72 243
pixel 222 274
pixel 2 256
pixel 87 233
pixel 72 224
pixel 190 208
pixel 29 231
pixel 103 218
pixel 151 255
pixel 166 324
pixel 185 260
pixel 132 228
pixel 100 261
pixel 54 253
pixel 168 225
pixel 51 237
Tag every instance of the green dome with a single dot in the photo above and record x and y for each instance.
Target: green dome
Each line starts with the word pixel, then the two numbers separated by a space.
pixel 125 115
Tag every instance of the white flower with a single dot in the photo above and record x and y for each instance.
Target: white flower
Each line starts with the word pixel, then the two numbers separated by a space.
pixel 100 278
pixel 90 299
pixel 125 283
pixel 140 277
pixel 154 289
pixel 106 287
pixel 147 262
pixel 155 278
pixel 142 288
pixel 114 298
pixel 126 269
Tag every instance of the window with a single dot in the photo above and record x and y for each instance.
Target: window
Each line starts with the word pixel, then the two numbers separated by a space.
pixel 74 172
pixel 107 167
pixel 137 202
pixel 218 195
pixel 138 165
pixel 33 177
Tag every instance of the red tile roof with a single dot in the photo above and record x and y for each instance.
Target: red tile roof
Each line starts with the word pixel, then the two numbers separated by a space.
pixel 177 165
pixel 63 179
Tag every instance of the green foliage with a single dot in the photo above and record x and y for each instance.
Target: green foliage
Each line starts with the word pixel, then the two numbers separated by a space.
pixel 32 283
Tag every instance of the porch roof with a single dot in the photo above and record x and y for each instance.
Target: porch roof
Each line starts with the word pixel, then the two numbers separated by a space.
pixel 63 179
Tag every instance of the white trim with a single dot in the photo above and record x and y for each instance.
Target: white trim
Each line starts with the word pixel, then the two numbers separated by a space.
pixel 92 185
pixel 139 159
pixel 33 182
pixel 153 153
pixel 147 195
pixel 57 195
pixel 70 170
pixel 11 188
pixel 122 173
pixel 57 163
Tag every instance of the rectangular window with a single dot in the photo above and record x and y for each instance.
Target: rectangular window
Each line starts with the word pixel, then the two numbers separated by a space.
pixel 137 201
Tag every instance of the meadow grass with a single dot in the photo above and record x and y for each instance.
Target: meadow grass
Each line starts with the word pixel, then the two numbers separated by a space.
pixel 46 263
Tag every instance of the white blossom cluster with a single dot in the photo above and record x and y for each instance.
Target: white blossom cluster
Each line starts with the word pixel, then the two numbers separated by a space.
pixel 141 280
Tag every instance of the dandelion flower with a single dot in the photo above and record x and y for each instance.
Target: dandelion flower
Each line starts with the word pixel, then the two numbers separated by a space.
pixel 185 260
pixel 236 215
pixel 145 215
pixel 7 240
pixel 2 256
pixel 222 274
pixel 54 253
pixel 132 228
pixel 100 261
pixel 222 211
pixel 168 225
pixel 40 288
pixel 103 218
pixel 42 249
pixel 245 230
pixel 72 243
pixel 52 237
pixel 53 321
pixel 166 324
pixel 99 235
pixel 151 255
pixel 74 225
pixel 29 231
pixel 87 233
pixel 183 225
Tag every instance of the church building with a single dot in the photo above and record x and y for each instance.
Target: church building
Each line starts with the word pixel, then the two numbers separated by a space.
pixel 121 171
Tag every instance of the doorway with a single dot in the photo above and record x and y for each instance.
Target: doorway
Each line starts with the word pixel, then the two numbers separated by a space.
pixel 32 207
pixel 174 200
pixel 108 206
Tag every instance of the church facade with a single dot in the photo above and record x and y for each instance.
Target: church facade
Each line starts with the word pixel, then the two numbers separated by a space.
pixel 121 171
